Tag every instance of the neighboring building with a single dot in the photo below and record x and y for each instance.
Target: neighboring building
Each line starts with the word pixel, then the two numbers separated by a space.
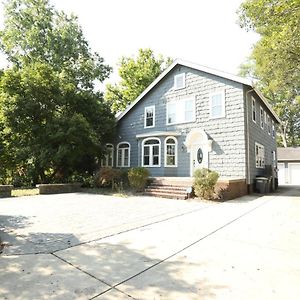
pixel 192 117
pixel 289 166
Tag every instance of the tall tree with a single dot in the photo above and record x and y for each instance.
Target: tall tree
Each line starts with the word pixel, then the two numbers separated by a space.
pixel 277 58
pixel 136 74
pixel 56 123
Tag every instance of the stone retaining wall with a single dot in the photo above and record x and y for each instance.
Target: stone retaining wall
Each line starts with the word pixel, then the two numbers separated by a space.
pixel 58 188
pixel 5 190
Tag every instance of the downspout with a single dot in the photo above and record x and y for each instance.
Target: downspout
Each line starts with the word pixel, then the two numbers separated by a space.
pixel 248 137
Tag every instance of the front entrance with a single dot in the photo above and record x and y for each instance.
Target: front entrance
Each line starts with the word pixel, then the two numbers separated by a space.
pixel 198 145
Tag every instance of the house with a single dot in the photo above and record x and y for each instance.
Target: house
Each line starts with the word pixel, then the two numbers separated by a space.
pixel 194 117
pixel 289 166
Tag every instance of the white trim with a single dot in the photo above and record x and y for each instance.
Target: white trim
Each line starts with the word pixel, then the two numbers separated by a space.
pixel 269 124
pixel 157 133
pixel 223 113
pixel 176 77
pixel 151 153
pixel 122 156
pixel 253 100
pixel 145 116
pixel 273 130
pixel 176 151
pixel 106 157
pixel 261 118
pixel 262 158
pixel 181 101
pixel 234 78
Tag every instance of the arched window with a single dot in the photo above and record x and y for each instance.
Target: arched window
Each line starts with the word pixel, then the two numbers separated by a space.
pixel 170 152
pixel 151 152
pixel 108 160
pixel 123 154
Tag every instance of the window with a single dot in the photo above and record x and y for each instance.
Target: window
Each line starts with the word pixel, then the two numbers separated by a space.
pixel 273 130
pixel 170 152
pixel 151 152
pixel 253 110
pixel 217 105
pixel 262 123
pixel 259 156
pixel 265 117
pixel 108 160
pixel 123 155
pixel 181 111
pixel 269 124
pixel 149 116
pixel 179 81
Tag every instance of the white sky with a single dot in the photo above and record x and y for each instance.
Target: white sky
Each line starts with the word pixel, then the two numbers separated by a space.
pixel 201 31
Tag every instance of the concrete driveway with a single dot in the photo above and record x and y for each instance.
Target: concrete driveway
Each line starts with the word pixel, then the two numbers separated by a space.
pixel 84 246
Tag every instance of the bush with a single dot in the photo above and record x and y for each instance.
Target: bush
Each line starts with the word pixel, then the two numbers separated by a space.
pixel 138 178
pixel 106 177
pixel 204 183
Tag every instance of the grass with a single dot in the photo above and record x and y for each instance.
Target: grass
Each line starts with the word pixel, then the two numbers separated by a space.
pixel 24 192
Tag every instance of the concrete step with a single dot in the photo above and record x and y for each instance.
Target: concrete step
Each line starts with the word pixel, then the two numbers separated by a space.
pixel 167 187
pixel 165 191
pixel 166 195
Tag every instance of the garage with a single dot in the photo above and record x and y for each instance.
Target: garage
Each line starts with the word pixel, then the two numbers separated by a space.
pixel 288 166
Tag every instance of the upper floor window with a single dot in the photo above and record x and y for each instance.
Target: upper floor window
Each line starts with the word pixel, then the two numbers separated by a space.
pixel 253 110
pixel 171 152
pixel 259 156
pixel 181 111
pixel 269 124
pixel 179 81
pixel 273 130
pixel 151 152
pixel 149 117
pixel 108 160
pixel 262 118
pixel 123 154
pixel 217 105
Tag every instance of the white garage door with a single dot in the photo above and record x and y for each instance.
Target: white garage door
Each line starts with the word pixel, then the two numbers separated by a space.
pixel 281 174
pixel 294 170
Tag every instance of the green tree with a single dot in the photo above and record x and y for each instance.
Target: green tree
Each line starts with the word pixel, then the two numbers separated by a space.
pixel 136 75
pixel 277 58
pixel 53 122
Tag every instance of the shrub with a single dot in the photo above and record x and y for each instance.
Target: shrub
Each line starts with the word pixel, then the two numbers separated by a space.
pixel 204 183
pixel 106 177
pixel 138 178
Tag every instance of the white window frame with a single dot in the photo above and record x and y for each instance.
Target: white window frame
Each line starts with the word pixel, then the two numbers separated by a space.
pixel 273 130
pixel 104 161
pixel 269 124
pixel 253 110
pixel 176 152
pixel 180 110
pixel 151 152
pixel 223 114
pixel 176 77
pixel 261 118
pixel 265 117
pixel 259 156
pixel 123 155
pixel 145 116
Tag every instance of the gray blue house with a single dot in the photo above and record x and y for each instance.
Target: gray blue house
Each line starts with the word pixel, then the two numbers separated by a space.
pixel 192 117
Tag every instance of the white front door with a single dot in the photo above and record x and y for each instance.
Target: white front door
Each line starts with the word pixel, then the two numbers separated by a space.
pixel 199 157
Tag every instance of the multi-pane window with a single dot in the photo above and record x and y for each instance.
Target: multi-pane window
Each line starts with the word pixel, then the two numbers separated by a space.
pixel 151 152
pixel 269 124
pixel 123 155
pixel 179 81
pixel 262 118
pixel 253 110
pixel 149 120
pixel 217 105
pixel 170 152
pixel 181 111
pixel 108 159
pixel 259 156
pixel 273 129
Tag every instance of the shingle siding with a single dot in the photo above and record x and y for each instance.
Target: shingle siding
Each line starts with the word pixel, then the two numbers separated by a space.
pixel 229 149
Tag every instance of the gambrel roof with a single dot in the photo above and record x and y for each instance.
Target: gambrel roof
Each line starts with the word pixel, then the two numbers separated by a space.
pixel 191 65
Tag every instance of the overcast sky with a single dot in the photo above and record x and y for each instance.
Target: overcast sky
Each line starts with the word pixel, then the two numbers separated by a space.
pixel 201 31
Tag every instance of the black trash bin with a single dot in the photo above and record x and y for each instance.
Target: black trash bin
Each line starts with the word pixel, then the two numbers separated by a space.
pixel 261 185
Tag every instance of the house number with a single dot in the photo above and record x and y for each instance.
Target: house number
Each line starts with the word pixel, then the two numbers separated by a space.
pixel 199 155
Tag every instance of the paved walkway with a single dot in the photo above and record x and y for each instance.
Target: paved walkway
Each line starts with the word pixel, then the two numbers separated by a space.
pixel 83 246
